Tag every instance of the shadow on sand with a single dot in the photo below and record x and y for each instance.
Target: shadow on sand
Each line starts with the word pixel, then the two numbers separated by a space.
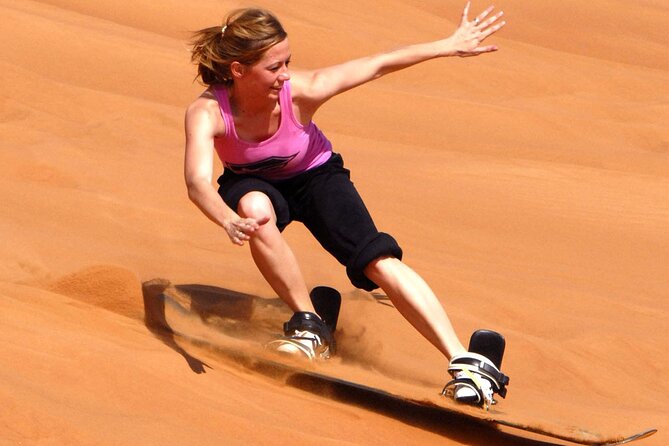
pixel 210 303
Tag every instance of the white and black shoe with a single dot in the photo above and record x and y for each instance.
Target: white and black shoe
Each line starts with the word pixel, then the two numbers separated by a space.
pixel 475 380
pixel 305 335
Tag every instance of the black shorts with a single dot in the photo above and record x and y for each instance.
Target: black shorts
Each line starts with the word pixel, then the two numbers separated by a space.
pixel 325 200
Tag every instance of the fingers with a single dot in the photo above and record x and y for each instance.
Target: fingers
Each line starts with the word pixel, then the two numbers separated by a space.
pixel 239 230
pixel 238 236
pixel 243 229
pixel 480 22
pixel 467 39
pixel 490 21
pixel 490 27
pixel 480 50
pixel 465 13
pixel 479 18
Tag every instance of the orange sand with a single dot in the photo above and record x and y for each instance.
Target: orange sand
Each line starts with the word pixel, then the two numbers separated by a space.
pixel 529 187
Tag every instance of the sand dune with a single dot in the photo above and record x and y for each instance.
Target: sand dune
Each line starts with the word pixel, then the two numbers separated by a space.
pixel 533 199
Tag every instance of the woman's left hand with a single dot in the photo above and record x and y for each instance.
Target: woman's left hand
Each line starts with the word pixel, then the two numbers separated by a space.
pixel 466 40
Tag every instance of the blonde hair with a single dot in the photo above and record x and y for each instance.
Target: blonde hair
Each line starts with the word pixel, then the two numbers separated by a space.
pixel 244 37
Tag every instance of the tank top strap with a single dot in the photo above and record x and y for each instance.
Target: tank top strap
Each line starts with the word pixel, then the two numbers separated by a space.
pixel 221 94
pixel 286 101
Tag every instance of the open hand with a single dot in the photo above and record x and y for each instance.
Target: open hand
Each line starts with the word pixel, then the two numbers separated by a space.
pixel 467 39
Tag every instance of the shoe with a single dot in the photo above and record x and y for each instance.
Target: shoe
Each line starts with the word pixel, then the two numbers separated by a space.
pixel 476 394
pixel 475 380
pixel 305 335
pixel 302 343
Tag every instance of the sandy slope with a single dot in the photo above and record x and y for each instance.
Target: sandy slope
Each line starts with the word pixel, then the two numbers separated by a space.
pixel 529 187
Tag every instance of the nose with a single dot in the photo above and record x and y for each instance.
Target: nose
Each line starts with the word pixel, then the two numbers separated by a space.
pixel 284 75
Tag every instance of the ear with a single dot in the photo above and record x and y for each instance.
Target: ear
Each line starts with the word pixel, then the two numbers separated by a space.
pixel 237 69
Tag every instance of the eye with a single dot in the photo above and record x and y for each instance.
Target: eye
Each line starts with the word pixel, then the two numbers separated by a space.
pixel 275 68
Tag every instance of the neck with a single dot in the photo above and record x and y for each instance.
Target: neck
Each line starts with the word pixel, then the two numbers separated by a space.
pixel 243 103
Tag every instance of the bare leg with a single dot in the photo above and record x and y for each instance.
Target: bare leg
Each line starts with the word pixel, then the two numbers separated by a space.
pixel 414 299
pixel 273 256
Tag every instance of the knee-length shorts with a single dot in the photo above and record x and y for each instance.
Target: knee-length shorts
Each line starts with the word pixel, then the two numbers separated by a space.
pixel 325 200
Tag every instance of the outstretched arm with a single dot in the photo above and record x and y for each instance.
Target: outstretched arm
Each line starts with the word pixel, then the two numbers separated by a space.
pixel 315 87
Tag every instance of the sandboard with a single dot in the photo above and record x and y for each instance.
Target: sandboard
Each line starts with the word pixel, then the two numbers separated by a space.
pixel 245 317
pixel 573 435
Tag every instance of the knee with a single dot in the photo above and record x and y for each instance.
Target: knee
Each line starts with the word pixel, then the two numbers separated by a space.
pixel 256 205
pixel 371 259
pixel 381 268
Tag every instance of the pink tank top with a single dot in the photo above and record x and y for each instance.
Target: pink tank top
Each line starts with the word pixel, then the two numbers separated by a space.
pixel 293 149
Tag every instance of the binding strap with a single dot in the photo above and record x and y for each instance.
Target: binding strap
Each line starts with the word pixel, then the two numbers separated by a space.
pixel 476 368
pixel 473 382
pixel 307 321
pixel 479 364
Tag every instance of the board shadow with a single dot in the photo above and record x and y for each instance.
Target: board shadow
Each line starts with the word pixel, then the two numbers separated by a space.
pixel 210 303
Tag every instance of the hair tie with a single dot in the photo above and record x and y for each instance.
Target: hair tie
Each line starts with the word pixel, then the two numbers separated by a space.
pixel 223 29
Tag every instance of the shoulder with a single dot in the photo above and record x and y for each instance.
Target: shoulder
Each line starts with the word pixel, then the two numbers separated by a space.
pixel 313 88
pixel 302 94
pixel 203 114
pixel 300 82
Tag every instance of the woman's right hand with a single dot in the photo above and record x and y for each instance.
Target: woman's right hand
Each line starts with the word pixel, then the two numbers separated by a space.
pixel 241 229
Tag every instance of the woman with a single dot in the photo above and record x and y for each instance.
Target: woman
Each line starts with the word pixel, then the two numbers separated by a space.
pixel 257 116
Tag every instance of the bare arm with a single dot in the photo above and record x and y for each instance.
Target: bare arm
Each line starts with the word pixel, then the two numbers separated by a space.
pixel 201 124
pixel 315 87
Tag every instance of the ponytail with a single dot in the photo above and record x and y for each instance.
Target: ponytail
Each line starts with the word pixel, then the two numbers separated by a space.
pixel 246 35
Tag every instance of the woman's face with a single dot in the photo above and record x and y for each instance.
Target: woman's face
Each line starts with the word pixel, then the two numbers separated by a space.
pixel 266 77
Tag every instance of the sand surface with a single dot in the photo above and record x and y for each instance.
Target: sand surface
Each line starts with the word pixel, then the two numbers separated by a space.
pixel 529 187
